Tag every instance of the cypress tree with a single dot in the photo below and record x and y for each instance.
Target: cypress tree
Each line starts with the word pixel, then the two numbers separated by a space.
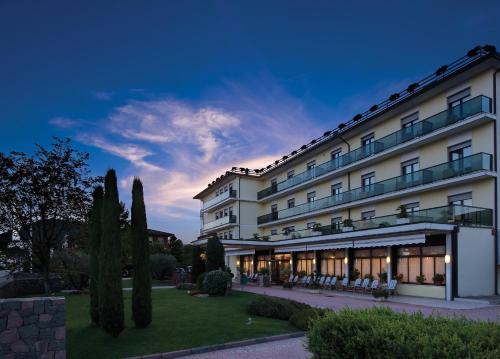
pixel 215 254
pixel 95 242
pixel 111 317
pixel 198 265
pixel 141 293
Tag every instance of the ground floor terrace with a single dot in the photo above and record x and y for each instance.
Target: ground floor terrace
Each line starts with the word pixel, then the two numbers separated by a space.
pixel 434 260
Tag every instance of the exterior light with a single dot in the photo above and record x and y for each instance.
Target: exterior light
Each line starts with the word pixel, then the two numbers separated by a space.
pixel 447 259
pixel 237 263
pixel 252 261
pixel 314 260
pixel 269 262
pixel 346 260
pixel 388 259
pixel 291 262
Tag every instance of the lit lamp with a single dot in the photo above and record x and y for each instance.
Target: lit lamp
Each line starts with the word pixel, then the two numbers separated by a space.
pixel 237 263
pixel 314 260
pixel 388 259
pixel 447 259
pixel 346 260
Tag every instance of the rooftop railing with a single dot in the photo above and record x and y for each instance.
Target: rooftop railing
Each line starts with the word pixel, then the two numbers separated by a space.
pixel 447 170
pixel 472 107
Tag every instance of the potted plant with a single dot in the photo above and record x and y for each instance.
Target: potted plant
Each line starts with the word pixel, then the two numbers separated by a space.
pixel 382 277
pixel 354 274
pixel 438 279
pixel 316 227
pixel 265 278
pixel 286 231
pixel 369 276
pixel 380 294
pixel 265 238
pixel 398 277
pixel 421 279
pixel 402 215
pixel 347 225
pixel 256 236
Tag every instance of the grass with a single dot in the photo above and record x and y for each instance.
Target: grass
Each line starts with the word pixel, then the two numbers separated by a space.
pixel 179 321
pixel 127 283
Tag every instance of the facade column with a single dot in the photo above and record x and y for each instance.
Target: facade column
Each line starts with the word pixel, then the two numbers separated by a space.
pixel 448 267
pixel 389 260
pixel 346 263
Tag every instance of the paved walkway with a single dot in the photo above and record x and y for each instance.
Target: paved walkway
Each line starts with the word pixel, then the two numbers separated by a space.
pixel 288 348
pixel 336 300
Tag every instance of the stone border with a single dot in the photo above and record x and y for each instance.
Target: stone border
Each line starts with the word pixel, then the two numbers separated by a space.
pixel 216 347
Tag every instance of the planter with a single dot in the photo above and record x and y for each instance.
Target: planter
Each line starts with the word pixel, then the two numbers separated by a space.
pixel 347 229
pixel 402 220
pixel 265 280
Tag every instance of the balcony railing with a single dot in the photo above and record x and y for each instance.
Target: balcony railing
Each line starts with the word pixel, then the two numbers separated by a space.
pixel 219 198
pixel 460 167
pixel 472 107
pixel 453 214
pixel 220 222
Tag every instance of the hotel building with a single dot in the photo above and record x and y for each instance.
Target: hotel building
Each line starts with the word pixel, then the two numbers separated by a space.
pixel 333 205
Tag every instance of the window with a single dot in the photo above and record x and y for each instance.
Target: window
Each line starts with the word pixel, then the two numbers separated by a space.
pixel 262 262
pixel 230 235
pixel 410 166
pixel 225 235
pixel 274 208
pixel 336 189
pixel 464 199
pixel 368 179
pixel 459 98
pixel 274 182
pixel 274 232
pixel 409 120
pixel 336 223
pixel 230 186
pixel 311 165
pixel 216 215
pixel 289 229
pixel 230 211
pixel 460 151
pixel 310 225
pixel 412 207
pixel 417 261
pixel 367 140
pixel 311 197
pixel 371 262
pixel 221 214
pixel 247 262
pixel 335 155
pixel 305 262
pixel 225 188
pixel 332 263
pixel 217 193
pixel 290 174
pixel 367 215
pixel 225 212
pixel 291 203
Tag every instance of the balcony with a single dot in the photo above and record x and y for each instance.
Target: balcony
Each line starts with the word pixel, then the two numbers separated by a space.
pixel 453 214
pixel 219 199
pixel 224 221
pixel 447 170
pixel 472 107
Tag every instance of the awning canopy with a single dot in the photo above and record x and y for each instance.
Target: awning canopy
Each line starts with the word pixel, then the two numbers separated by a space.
pixel 243 252
pixel 390 241
pixel 314 247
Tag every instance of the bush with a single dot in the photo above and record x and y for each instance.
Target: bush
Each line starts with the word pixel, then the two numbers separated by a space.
pixel 272 307
pixel 73 267
pixel 382 333
pixel 216 282
pixel 379 293
pixel 186 286
pixel 301 320
pixel 162 265
pixel 199 281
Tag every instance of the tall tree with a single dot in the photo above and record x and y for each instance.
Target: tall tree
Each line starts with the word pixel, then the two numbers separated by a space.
pixel 198 264
pixel 41 196
pixel 215 254
pixel 94 249
pixel 141 292
pixel 175 247
pixel 111 317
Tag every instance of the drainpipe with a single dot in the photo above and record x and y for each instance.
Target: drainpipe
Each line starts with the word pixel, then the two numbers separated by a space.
pixel 348 173
pixel 496 180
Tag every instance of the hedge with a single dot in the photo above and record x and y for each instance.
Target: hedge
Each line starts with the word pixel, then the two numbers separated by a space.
pixel 382 333
pixel 272 307
pixel 216 282
pixel 303 319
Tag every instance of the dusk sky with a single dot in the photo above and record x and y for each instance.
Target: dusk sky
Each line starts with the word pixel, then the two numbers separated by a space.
pixel 178 92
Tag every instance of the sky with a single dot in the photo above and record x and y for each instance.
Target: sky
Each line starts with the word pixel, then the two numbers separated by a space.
pixel 178 92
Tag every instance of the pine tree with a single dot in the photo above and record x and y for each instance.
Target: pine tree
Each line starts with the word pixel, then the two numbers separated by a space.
pixel 111 317
pixel 215 254
pixel 95 243
pixel 198 265
pixel 141 293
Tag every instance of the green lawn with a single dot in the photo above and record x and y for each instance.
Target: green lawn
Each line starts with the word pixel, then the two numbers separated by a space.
pixel 127 283
pixel 179 321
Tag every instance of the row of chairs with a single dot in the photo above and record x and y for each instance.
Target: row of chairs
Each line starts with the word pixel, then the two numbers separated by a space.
pixel 327 282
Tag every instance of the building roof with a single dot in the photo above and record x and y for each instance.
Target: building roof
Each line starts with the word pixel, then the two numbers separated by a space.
pixel 442 74
pixel 155 233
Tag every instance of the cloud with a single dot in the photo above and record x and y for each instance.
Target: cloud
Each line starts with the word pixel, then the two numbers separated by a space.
pixel 64 122
pixel 102 95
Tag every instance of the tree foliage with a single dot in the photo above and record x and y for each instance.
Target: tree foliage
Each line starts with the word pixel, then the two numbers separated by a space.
pixel 215 254
pixel 162 265
pixel 94 249
pixel 141 292
pixel 111 317
pixel 197 263
pixel 41 196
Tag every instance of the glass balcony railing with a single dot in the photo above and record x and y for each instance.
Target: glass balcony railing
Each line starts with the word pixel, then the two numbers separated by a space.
pixel 460 167
pixel 219 198
pixel 453 214
pixel 220 222
pixel 477 105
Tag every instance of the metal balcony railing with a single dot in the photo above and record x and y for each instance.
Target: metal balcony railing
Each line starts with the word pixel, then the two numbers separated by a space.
pixel 219 222
pixel 219 198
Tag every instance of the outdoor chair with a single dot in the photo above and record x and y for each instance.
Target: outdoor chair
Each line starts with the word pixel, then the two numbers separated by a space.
pixel 295 280
pixel 326 283
pixel 375 284
pixel 321 281
pixel 307 281
pixel 391 287
pixel 333 282
pixel 356 285
pixel 345 283
pixel 365 284
pixel 302 280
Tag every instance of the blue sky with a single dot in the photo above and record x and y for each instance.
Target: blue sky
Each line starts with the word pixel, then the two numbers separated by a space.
pixel 178 92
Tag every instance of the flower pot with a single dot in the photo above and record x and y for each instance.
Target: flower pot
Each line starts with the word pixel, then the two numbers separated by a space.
pixel 347 229
pixel 402 220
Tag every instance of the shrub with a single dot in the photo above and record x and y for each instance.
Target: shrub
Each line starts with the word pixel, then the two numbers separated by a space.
pixel 382 333
pixel 287 285
pixel 73 267
pixel 216 282
pixel 162 265
pixel 272 307
pixel 199 281
pixel 379 293
pixel 186 286
pixel 301 320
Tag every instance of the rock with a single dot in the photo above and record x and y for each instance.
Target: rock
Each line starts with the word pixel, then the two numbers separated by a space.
pixel 38 307
pixel 14 320
pixel 56 345
pixel 8 336
pixel 3 324
pixel 28 331
pixel 19 347
pixel 41 346
pixel 60 333
pixel 60 354
pixel 45 317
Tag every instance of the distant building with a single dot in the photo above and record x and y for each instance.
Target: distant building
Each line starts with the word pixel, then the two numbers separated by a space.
pixel 159 237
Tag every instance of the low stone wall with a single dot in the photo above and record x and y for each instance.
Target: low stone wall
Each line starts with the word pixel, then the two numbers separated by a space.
pixel 32 328
pixel 23 284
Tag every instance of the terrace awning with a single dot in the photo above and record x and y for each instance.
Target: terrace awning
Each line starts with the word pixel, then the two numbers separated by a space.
pixel 390 241
pixel 314 247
